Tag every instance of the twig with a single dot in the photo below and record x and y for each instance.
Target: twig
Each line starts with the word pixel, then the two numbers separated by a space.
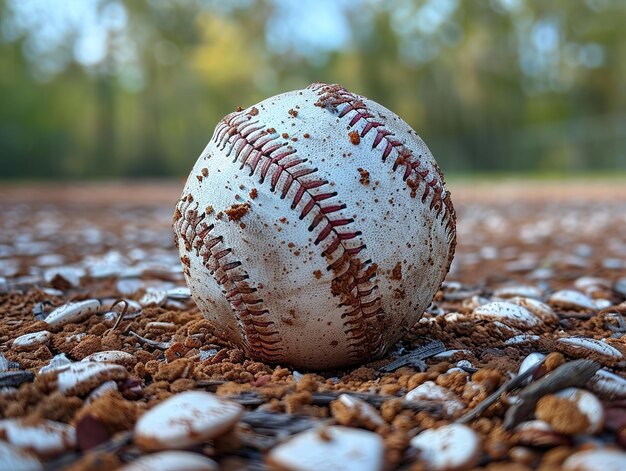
pixel 152 343
pixel 120 315
pixel 275 423
pixel 253 398
pixel 13 379
pixel 416 357
pixel 509 385
pixel 620 330
pixel 111 446
pixel 573 373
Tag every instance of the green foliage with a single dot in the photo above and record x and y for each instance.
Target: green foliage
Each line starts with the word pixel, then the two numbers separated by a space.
pixel 490 85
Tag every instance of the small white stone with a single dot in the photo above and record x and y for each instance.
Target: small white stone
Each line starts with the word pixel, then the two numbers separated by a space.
pixel 507 313
pixel 72 312
pixel 570 299
pixel 180 293
pixel 538 308
pixel 101 391
pixel 597 346
pixel 450 353
pixel 607 385
pixel 52 291
pixel 539 433
pixel 455 317
pixel 81 377
pixel 530 361
pixel 363 410
pixel 452 447
pixel 58 361
pixel 112 356
pixel 76 337
pixel 186 419
pixel 475 301
pixel 525 291
pixel 72 275
pixel 172 461
pixel 505 330
pixel 156 325
pixel 602 304
pixel 591 283
pixel 29 341
pixel 14 459
pixel 521 339
pixel 429 391
pixel 153 297
pixel 332 448
pixel 45 438
pixel 588 404
pixel 596 460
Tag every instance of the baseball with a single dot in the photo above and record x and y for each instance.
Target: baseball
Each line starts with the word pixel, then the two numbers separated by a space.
pixel 315 228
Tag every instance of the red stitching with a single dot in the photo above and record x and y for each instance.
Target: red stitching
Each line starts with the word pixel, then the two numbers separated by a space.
pixel 266 156
pixel 337 99
pixel 195 232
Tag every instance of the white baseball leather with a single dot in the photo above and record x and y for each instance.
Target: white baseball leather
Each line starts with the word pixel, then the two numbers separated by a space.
pixel 315 228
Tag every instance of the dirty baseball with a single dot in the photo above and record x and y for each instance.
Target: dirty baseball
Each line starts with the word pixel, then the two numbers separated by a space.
pixel 315 228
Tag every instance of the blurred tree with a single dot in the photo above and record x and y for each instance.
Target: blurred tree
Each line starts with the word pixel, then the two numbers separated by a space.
pixel 110 88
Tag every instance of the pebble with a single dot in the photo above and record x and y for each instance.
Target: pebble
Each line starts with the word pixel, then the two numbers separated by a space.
pixel 72 312
pixel 180 293
pixel 72 275
pixel 601 304
pixel 46 438
pixel 335 447
pixel 155 325
pixel 172 461
pixel 521 339
pixel 14 459
pixel 591 283
pixel 52 291
pixel 362 413
pixel 452 447
pixel 79 378
pixel 29 341
pixel 186 419
pixel 565 421
pixel 113 356
pixel 529 361
pixel 607 385
pixel 153 297
pixel 525 291
pixel 540 434
pixel 580 344
pixel 58 361
pixel 570 299
pixel 450 353
pixel 101 391
pixel 76 337
pixel 433 392
pixel 507 313
pixel 538 308
pixel 603 459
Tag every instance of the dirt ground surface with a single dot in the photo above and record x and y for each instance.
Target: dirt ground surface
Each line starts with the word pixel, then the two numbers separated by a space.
pixel 540 270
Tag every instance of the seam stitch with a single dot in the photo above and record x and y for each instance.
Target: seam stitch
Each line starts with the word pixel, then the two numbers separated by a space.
pixel 262 340
pixel 354 281
pixel 332 97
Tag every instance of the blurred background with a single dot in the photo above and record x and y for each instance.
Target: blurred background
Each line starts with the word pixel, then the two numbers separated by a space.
pixel 134 88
